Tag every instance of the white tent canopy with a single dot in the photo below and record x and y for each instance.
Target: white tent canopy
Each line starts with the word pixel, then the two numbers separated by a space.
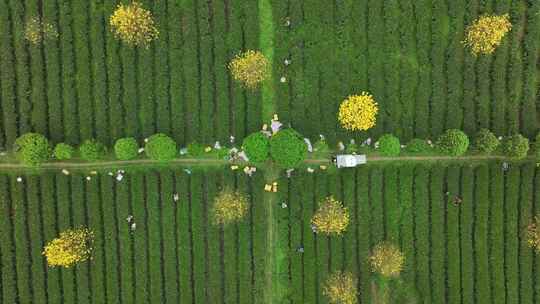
pixel 349 160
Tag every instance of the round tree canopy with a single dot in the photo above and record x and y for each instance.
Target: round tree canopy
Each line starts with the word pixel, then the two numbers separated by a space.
pixel 389 145
pixel 485 141
pixel 453 142
pixel 92 150
pixel 161 147
pixel 126 148
pixel 63 151
pixel 257 147
pixel 516 146
pixel 32 148
pixel 287 148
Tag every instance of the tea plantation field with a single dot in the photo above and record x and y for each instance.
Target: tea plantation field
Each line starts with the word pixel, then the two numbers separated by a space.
pixel 407 53
pixel 460 224
pixel 469 253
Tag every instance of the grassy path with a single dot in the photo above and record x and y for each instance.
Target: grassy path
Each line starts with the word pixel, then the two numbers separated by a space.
pixel 276 283
pixel 266 43
pixel 271 292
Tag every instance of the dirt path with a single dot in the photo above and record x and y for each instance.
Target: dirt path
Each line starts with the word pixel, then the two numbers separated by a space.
pixel 426 158
pixel 219 162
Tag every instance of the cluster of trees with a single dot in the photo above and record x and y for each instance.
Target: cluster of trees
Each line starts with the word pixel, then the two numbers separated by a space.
pixel 33 149
pixel 454 142
pixel 286 147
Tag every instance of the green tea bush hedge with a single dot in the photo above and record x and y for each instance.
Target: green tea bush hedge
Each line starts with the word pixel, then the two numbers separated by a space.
pixel 537 146
pixel 417 145
pixel 195 149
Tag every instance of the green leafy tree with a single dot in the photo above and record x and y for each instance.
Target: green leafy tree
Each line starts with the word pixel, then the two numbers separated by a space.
pixel 63 151
pixel 453 142
pixel 516 146
pixel 92 150
pixel 160 147
pixel 257 147
pixel 485 141
pixel 287 148
pixel 389 145
pixel 32 149
pixel 126 148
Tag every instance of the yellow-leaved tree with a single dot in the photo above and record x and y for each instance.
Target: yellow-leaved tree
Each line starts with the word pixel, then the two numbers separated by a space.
pixel 133 24
pixel 532 234
pixel 387 260
pixel 229 207
pixel 331 218
pixel 340 288
pixel 486 33
pixel 250 68
pixel 37 31
pixel 358 112
pixel 71 247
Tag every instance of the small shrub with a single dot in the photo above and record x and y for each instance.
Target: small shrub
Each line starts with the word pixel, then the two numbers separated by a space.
pixel 229 207
pixel 32 149
pixel 453 142
pixel 417 145
pixel 389 145
pixel 195 149
pixel 532 234
pixel 358 112
pixel 387 260
pixel 63 151
pixel 341 288
pixel 126 148
pixel 73 246
pixel 222 153
pixel 250 68
pixel 516 146
pixel 486 33
pixel 485 141
pixel 257 147
pixel 92 150
pixel 133 24
pixel 160 147
pixel 331 218
pixel 288 148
